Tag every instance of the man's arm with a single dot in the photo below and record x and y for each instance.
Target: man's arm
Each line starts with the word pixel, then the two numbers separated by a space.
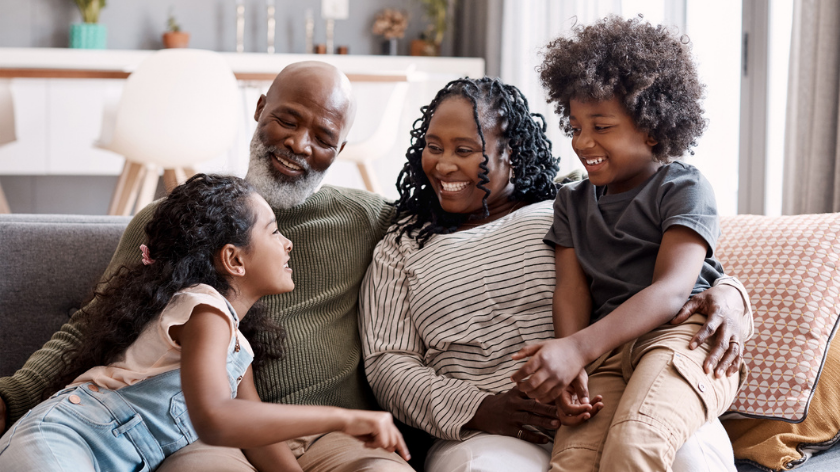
pixel 728 324
pixel 25 389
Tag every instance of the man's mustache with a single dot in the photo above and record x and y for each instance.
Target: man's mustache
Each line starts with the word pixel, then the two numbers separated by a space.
pixel 296 159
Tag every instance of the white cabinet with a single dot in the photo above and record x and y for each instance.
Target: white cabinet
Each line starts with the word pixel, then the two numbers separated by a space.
pixel 27 155
pixel 60 120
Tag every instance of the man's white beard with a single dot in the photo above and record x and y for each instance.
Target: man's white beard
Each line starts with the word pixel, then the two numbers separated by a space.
pixel 279 190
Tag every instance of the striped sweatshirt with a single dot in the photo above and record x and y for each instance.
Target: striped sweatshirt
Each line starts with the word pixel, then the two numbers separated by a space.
pixel 439 324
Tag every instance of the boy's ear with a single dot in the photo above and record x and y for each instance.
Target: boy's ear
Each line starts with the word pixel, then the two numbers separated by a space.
pixel 650 141
pixel 231 262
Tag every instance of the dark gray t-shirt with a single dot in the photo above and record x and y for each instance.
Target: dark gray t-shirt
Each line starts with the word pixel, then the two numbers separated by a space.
pixel 617 237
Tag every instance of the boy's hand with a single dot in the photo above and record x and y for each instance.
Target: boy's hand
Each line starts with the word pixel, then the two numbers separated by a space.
pixel 376 429
pixel 552 366
pixel 574 406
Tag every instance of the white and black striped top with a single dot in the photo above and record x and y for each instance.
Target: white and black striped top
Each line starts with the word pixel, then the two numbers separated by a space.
pixel 439 324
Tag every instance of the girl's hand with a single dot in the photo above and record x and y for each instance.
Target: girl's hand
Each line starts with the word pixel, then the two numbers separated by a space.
pixel 552 366
pixel 376 429
pixel 573 405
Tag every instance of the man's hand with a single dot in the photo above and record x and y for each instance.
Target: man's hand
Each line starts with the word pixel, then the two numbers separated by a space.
pixel 2 417
pixel 724 308
pixel 574 405
pixel 507 413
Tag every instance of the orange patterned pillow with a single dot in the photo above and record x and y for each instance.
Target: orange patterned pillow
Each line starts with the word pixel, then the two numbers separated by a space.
pixel 789 265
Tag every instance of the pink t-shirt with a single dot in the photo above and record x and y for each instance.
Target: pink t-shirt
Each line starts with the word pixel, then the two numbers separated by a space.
pixel 155 352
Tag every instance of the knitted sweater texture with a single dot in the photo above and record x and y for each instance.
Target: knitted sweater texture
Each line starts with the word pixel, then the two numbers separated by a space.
pixel 334 232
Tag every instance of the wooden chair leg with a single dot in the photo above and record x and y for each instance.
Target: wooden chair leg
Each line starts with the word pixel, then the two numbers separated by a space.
pixel 147 191
pixel 126 190
pixel 173 178
pixel 371 183
pixel 4 204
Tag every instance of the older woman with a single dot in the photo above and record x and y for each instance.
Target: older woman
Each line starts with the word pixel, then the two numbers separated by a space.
pixel 463 280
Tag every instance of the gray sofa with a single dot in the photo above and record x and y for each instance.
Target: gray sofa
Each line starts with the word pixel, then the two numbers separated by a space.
pixel 49 265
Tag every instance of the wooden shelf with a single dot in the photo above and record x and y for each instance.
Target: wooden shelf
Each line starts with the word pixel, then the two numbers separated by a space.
pixel 14 73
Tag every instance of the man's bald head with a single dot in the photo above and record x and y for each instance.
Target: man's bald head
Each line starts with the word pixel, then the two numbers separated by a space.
pixel 324 80
pixel 302 125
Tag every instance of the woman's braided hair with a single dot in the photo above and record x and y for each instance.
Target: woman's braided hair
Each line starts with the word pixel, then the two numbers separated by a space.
pixel 648 68
pixel 499 106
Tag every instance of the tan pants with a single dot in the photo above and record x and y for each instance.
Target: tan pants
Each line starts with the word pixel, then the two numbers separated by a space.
pixel 656 395
pixel 330 452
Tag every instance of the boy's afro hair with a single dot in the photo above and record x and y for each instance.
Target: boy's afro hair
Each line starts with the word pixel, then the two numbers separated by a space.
pixel 646 67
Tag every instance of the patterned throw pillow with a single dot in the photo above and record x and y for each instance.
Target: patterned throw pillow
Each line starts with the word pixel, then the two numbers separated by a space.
pixel 790 266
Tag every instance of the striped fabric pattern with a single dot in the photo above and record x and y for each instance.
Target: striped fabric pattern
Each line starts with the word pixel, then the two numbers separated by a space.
pixel 439 324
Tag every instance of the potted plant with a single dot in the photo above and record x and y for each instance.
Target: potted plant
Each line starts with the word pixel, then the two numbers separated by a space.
pixel 89 34
pixel 174 37
pixel 430 41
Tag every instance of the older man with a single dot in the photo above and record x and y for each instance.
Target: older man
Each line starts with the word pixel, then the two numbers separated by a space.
pixel 303 121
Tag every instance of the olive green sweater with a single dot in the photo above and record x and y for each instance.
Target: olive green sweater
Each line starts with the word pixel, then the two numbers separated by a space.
pixel 334 232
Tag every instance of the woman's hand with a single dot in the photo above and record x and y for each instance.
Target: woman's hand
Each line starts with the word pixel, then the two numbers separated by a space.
pixel 723 307
pixel 552 366
pixel 506 414
pixel 377 430
pixel 574 405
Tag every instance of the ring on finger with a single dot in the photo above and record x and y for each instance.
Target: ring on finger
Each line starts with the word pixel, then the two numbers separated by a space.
pixel 519 434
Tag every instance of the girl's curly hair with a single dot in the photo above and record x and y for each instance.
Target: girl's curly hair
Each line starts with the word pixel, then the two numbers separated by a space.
pixel 184 236
pixel 496 106
pixel 647 67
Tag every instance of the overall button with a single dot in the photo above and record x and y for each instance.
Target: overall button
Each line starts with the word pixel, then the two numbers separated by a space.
pixel 74 399
pixel 701 387
pixel 93 388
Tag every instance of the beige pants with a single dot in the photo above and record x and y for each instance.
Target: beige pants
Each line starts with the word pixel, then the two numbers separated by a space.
pixel 330 452
pixel 656 395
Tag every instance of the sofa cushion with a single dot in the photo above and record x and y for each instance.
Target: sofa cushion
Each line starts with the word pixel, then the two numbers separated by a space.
pixel 779 445
pixel 50 263
pixel 789 265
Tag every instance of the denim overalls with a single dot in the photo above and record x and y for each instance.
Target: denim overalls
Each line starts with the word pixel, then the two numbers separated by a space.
pixel 90 428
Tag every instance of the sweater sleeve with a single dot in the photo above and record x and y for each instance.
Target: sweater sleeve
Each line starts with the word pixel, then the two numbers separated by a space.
pixel 25 388
pixel 394 352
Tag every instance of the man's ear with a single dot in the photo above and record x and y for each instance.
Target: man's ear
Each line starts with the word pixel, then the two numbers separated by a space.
pixel 231 261
pixel 650 141
pixel 260 106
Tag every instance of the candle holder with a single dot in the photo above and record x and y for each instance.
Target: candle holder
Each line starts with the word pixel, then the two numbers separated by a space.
pixel 240 26
pixel 272 24
pixel 332 10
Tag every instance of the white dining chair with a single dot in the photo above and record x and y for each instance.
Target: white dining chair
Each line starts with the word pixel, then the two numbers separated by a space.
pixel 381 142
pixel 7 128
pixel 178 108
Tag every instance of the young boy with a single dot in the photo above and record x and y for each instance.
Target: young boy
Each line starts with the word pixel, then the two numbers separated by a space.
pixel 632 243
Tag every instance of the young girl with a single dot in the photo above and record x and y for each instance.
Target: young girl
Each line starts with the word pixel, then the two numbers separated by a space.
pixel 173 366
pixel 632 243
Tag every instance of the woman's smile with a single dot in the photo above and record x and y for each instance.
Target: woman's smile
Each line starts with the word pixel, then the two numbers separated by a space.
pixel 454 161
